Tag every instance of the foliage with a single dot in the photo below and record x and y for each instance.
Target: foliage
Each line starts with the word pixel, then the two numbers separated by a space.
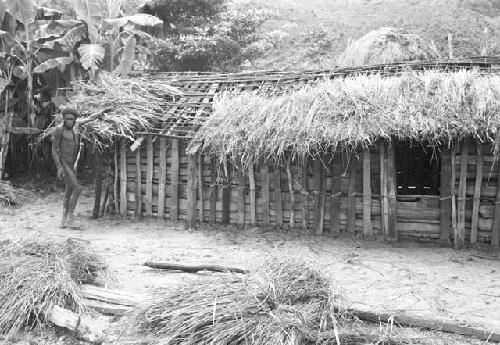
pixel 218 37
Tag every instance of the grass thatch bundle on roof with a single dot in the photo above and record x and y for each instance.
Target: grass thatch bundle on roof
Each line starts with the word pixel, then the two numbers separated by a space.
pixel 352 112
pixel 285 302
pixel 387 45
pixel 35 276
pixel 117 107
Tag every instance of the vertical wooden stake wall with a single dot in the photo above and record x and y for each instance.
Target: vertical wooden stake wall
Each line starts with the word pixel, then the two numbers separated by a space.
pixel 292 192
pixel 138 182
pixel 265 194
pixel 351 196
pixel 241 197
pixel 226 199
pixel 477 193
pixel 445 191
pixel 392 191
pixel 149 177
pixel 460 234
pixel 253 210
pixel 305 195
pixel 191 190
pixel 318 222
pixel 277 196
pixel 495 230
pixel 335 204
pixel 367 195
pixel 213 192
pixel 174 181
pixel 163 177
pixel 452 183
pixel 123 179
pixel 116 180
pixel 201 194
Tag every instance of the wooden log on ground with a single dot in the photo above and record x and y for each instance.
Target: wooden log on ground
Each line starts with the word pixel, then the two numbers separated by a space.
pixel 193 269
pixel 163 178
pixel 459 236
pixel 477 193
pixel 367 195
pixel 410 321
pixel 445 193
pixel 174 181
pixel 111 296
pixel 107 308
pixel 85 329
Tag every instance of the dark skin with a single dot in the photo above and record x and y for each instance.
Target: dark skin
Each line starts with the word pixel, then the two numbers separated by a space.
pixel 65 146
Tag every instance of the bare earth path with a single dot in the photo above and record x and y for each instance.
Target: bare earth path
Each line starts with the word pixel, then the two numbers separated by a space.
pixel 420 280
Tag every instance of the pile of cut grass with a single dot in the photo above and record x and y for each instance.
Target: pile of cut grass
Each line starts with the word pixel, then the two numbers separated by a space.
pixel 35 276
pixel 10 196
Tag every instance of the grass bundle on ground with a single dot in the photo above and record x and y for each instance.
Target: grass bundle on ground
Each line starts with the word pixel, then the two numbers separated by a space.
pixel 387 45
pixel 285 302
pixel 34 276
pixel 352 112
pixel 113 107
pixel 10 196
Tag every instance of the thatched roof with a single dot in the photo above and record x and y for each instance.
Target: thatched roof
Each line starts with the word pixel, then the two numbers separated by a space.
pixel 387 45
pixel 353 112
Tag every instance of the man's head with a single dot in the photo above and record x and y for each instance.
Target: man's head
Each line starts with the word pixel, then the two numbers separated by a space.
pixel 69 118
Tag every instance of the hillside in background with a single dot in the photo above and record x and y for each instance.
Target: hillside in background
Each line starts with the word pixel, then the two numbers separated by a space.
pixel 319 30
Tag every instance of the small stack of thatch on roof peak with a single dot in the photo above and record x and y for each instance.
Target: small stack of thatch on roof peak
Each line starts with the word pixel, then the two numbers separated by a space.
pixel 387 45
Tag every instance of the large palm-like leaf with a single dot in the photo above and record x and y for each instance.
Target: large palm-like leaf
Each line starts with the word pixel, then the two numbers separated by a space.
pixel 140 19
pixel 22 10
pixel 91 56
pixel 91 13
pixel 70 39
pixel 128 56
pixel 3 83
pixel 59 63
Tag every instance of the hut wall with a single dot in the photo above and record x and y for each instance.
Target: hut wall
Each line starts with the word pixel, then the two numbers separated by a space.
pixel 315 198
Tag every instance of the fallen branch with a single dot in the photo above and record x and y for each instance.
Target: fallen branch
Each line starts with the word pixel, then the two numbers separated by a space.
pixel 435 325
pixel 486 257
pixel 193 269
pixel 86 329
pixel 110 301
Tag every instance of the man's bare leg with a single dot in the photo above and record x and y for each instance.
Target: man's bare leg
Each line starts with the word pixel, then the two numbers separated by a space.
pixel 71 180
pixel 67 197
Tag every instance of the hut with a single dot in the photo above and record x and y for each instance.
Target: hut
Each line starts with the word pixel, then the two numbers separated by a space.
pixel 402 150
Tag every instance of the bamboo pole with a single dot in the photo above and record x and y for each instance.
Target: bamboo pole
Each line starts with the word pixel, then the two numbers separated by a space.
pixel 265 194
pixel 226 200
pixel 138 183
pixel 476 204
pixel 445 190
pixel 163 178
pixel 391 191
pixel 335 204
pixel 305 195
pixel 292 193
pixel 384 202
pixel 495 230
pixel 123 179
pixel 201 194
pixel 318 224
pixel 351 196
pixel 277 197
pixel 460 235
pixel 5 123
pixel 116 179
pixel 191 191
pixel 98 183
pixel 452 183
pixel 174 180
pixel 149 177
pixel 241 197
pixel 251 178
pixel 213 192
pixel 367 195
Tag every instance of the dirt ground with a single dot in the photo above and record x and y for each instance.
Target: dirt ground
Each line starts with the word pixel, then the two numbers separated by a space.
pixel 418 279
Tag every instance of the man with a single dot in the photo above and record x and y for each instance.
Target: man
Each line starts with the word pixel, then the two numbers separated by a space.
pixel 65 149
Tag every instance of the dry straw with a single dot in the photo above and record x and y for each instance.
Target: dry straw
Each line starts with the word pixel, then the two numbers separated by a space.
pixel 352 112
pixel 387 45
pixel 114 107
pixel 35 276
